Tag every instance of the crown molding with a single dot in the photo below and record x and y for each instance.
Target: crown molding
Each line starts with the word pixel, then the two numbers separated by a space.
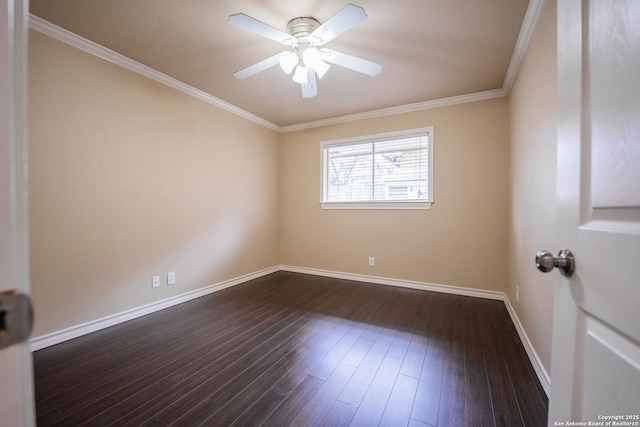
pixel 49 29
pixel 408 108
pixel 529 24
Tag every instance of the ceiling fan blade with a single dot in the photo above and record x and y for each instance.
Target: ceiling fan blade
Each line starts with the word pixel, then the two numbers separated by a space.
pixel 260 66
pixel 248 23
pixel 352 62
pixel 310 88
pixel 348 17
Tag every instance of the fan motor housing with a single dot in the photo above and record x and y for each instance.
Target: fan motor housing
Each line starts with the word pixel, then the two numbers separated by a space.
pixel 302 27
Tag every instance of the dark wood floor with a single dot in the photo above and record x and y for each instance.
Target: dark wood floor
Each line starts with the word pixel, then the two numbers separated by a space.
pixel 293 349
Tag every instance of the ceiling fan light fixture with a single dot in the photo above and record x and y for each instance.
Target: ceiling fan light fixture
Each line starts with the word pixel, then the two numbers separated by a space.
pixel 288 62
pixel 312 58
pixel 300 76
pixel 304 35
pixel 321 69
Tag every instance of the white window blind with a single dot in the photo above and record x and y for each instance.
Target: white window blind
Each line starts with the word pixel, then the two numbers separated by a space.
pixel 381 171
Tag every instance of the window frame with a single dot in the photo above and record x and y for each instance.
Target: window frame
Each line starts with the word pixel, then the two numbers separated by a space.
pixel 423 204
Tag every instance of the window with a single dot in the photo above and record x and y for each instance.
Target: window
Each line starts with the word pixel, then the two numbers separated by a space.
pixel 387 171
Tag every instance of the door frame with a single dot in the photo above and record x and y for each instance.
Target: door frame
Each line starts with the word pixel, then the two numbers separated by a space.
pixel 18 392
pixel 566 314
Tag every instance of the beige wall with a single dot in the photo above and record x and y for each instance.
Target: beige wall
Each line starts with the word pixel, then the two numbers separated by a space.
pixel 459 242
pixel 532 223
pixel 130 179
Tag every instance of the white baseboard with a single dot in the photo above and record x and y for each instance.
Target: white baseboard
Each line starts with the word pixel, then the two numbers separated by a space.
pixel 58 337
pixel 542 374
pixel 423 286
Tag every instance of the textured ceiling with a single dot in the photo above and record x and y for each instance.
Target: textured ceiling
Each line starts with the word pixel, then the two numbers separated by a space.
pixel 428 49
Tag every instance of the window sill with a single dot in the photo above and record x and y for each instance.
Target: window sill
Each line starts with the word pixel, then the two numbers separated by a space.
pixel 405 205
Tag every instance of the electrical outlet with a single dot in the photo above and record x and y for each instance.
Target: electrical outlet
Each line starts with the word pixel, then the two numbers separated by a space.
pixel 171 278
pixel 155 282
pixel 517 293
pixel 372 261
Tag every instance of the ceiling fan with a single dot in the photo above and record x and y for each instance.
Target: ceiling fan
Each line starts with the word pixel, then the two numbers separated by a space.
pixel 304 35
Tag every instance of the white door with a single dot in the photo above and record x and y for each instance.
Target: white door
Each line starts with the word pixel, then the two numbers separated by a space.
pixel 595 367
pixel 16 389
